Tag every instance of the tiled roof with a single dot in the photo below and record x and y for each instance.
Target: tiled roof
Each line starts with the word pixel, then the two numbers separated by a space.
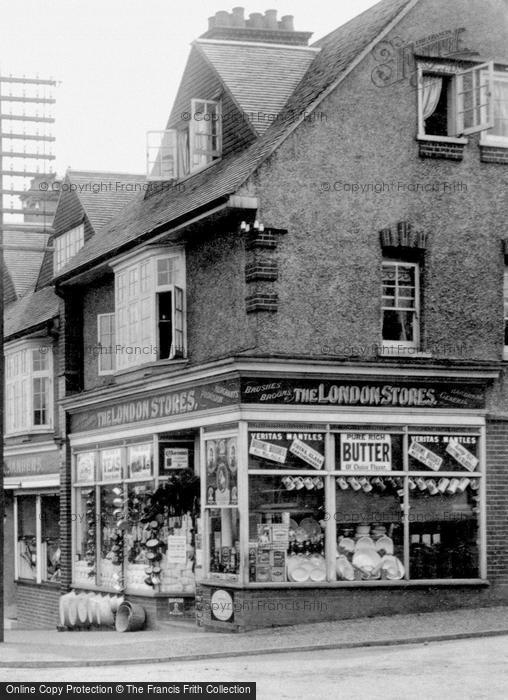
pixel 23 254
pixel 104 194
pixel 260 78
pixel 139 218
pixel 31 310
pixel 9 293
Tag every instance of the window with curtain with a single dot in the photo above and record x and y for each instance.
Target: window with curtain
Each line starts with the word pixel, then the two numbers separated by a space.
pixel 400 303
pixel 498 135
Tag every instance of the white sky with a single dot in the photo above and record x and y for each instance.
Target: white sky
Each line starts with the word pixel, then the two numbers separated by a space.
pixel 119 63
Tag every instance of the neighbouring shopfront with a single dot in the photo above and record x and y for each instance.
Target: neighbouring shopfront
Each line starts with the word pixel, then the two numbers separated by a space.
pixel 268 501
pixel 33 554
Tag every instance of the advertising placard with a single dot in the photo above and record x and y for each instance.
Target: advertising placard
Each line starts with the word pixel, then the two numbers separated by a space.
pixel 221 471
pixel 370 452
pixel 425 456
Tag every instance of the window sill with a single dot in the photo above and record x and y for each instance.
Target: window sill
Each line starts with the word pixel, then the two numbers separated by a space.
pixel 491 153
pixel 43 584
pixel 424 583
pixel 494 143
pixel 395 351
pixel 442 139
pixel 39 430
pixel 505 353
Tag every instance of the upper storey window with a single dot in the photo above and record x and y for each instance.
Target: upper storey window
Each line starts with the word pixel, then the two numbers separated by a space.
pixel 178 152
pixel 498 134
pixel 454 103
pixel 67 245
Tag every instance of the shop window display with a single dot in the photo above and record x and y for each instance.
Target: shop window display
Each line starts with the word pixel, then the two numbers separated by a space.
pixel 27 537
pixel 224 542
pixel 286 528
pixel 50 538
pixel 85 536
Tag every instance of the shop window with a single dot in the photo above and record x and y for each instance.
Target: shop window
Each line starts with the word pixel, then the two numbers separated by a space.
pixel 136 529
pixel 150 309
pixel 193 145
pixel 38 537
pixel 27 537
pixel 50 538
pixel 454 103
pixel 224 542
pixel 106 343
pixel 286 528
pixel 28 388
pixel 67 245
pixel 286 450
pixel 498 134
pixel 401 305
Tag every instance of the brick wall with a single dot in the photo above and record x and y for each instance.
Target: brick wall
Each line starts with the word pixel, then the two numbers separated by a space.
pixel 99 299
pixel 37 605
pixel 497 502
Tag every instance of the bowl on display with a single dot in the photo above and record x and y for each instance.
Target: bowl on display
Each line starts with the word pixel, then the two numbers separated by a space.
pixel 364 542
pixel 318 574
pixel 367 561
pixel 152 543
pixel 300 574
pixel 392 568
pixel 311 526
pixel 301 534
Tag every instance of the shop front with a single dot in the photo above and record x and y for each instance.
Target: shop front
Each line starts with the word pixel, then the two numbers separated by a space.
pixel 32 535
pixel 265 501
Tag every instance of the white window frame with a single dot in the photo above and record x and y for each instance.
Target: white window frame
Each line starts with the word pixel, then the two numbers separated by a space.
pixel 195 123
pixel 67 245
pixel 494 139
pixel 404 346
pixel 136 313
pixel 161 155
pixel 38 535
pixel 21 385
pixel 100 369
pixel 456 128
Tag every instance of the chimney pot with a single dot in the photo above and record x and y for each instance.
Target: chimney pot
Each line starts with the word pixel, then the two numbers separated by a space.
pixel 256 20
pixel 287 23
pixel 271 19
pixel 237 18
pixel 211 23
pixel 222 19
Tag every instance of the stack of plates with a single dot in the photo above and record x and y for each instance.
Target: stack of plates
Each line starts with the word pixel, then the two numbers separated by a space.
pixel 344 569
pixel 384 545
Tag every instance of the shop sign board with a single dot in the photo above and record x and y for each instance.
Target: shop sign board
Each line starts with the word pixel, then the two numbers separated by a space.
pixel 177 550
pixel 274 453
pixel 463 456
pixel 307 453
pixel 366 452
pixel 85 467
pixel 222 605
pixel 176 458
pixel 221 471
pixel 425 456
pixel 111 465
pixel 32 464
pixel 383 394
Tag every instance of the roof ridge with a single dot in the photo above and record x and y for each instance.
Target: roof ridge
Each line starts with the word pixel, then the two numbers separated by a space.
pixel 105 172
pixel 267 45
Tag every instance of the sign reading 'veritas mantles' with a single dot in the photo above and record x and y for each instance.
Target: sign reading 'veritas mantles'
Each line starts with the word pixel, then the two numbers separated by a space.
pixel 370 452
pixel 306 453
pixel 463 456
pixel 260 448
pixel 425 456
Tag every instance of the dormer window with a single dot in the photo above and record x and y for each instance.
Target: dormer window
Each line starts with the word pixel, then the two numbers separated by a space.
pixel 67 245
pixel 191 146
pixel 454 103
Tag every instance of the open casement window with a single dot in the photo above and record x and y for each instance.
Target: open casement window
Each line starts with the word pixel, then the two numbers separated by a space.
pixel 204 133
pixel 498 135
pixel 150 310
pixel 452 103
pixel 400 304
pixel 106 343
pixel 161 155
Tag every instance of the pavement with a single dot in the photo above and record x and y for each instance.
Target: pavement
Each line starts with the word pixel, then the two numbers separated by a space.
pixel 183 641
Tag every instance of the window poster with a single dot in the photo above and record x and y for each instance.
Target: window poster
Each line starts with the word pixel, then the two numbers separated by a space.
pixel 85 467
pixel 370 452
pixel 286 449
pixel 176 458
pixel 111 465
pixel 221 471
pixel 444 452
pixel 139 459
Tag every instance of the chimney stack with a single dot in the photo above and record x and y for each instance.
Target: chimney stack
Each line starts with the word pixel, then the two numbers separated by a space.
pixel 257 28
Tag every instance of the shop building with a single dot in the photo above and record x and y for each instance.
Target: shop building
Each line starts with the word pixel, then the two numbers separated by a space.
pixel 33 425
pixel 292 329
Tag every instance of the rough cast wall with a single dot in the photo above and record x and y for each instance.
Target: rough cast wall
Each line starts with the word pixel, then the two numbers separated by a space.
pixel 330 262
